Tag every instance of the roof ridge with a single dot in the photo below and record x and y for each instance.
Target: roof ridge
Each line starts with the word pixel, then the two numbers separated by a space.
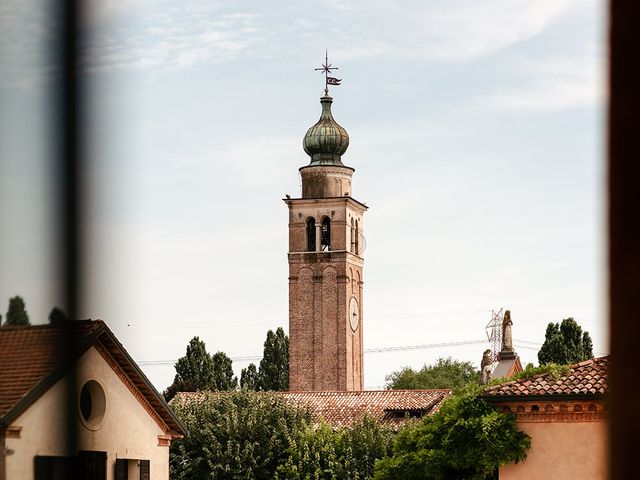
pixel 64 323
pixel 7 328
pixel 583 362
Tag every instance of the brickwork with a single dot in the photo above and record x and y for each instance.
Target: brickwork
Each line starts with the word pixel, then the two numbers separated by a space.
pixel 324 182
pixel 325 351
pixel 545 411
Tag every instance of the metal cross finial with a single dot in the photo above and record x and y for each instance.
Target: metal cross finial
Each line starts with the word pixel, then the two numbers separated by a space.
pixel 326 68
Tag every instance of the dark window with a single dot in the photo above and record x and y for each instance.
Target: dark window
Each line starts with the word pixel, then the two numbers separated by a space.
pixel 357 239
pixel 92 403
pixel 85 403
pixel 139 469
pixel 145 469
pixel 404 414
pixel 311 234
pixel 92 465
pixel 326 234
pixel 353 236
pixel 55 468
pixel 122 469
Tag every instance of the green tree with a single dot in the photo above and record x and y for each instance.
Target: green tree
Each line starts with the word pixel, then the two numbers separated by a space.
pixel 565 343
pixel 223 378
pixel 466 439
pixel 323 452
pixel 249 378
pixel 274 366
pixel 16 313
pixel 57 315
pixel 234 435
pixel 445 373
pixel 195 371
pixel 587 345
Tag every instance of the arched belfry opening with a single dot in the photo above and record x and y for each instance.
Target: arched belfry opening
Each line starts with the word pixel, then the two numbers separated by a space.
pixel 357 235
pixel 325 234
pixel 352 242
pixel 311 234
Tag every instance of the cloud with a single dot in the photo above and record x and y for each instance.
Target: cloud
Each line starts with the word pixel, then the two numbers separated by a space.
pixel 174 35
pixel 455 30
pixel 553 85
pixel 26 32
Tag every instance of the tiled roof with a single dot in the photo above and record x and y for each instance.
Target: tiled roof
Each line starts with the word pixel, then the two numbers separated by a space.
pixel 32 359
pixel 584 378
pixel 28 354
pixel 343 408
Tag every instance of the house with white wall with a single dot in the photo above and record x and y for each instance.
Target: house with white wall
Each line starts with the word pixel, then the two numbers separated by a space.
pixel 74 404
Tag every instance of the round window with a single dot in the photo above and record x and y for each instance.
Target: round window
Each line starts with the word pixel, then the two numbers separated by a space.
pixel 92 404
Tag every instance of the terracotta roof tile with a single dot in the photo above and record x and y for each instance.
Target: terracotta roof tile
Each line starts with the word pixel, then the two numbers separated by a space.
pixel 343 408
pixel 28 354
pixel 585 378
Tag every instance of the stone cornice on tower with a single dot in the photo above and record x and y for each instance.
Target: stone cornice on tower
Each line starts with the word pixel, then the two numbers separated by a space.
pixel 328 201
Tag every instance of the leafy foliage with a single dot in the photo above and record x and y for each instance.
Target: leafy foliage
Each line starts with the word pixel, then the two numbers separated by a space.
pixel 253 435
pixel 249 378
pixel 565 343
pixel 223 378
pixel 274 366
pixel 16 313
pixel 445 373
pixel 552 369
pixel 195 371
pixel 273 374
pixel 235 435
pixel 327 453
pixel 57 315
pixel 466 439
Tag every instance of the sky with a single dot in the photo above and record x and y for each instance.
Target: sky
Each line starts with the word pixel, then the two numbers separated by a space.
pixel 476 133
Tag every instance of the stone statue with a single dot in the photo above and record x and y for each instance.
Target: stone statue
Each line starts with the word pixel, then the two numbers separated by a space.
pixel 485 367
pixel 507 339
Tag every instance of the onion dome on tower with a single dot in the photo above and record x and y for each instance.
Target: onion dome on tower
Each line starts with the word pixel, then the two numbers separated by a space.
pixel 326 141
pixel 326 176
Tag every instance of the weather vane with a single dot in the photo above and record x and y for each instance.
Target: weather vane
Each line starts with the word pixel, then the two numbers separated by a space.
pixel 326 69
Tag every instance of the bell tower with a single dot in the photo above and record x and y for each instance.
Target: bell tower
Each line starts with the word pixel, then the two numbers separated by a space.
pixel 325 266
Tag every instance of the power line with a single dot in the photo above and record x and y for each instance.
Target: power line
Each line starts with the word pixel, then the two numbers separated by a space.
pixel 519 344
pixel 399 348
pixel 368 350
pixel 422 347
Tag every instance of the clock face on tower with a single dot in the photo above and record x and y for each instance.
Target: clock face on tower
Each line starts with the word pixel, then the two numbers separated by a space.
pixel 354 314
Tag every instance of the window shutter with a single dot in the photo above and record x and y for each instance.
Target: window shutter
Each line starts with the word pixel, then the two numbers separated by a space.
pixel 43 467
pixel 92 465
pixel 145 469
pixel 122 469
